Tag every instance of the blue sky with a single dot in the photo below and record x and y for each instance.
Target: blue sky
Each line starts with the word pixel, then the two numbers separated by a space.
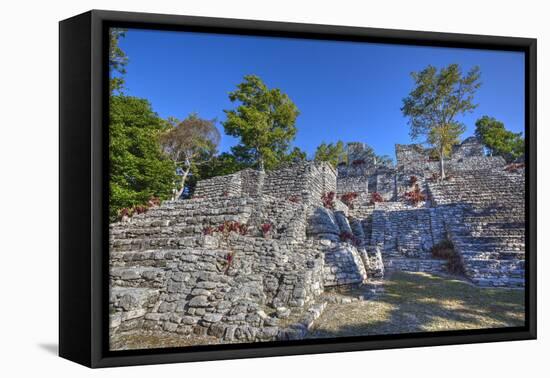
pixel 344 90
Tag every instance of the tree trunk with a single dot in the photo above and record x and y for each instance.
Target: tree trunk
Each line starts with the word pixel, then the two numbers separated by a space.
pixel 182 182
pixel 261 165
pixel 441 165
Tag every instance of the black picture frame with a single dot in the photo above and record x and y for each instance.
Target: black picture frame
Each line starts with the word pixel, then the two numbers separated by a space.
pixel 83 227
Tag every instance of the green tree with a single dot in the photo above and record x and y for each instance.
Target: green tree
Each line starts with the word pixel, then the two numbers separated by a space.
pixel 295 155
pixel 188 143
pixel 333 153
pixel 117 60
pixel 220 165
pixel 437 99
pixel 384 160
pixel 498 140
pixel 138 167
pixel 264 121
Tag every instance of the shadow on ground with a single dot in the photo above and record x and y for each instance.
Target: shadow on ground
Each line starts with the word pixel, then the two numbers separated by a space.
pixel 419 302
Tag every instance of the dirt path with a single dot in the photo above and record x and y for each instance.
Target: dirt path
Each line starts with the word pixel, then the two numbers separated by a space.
pixel 419 302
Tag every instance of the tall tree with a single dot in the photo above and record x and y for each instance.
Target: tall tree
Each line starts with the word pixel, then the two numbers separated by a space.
pixel 138 167
pixel 498 140
pixel 264 121
pixel 333 153
pixel 384 160
pixel 117 60
pixel 437 99
pixel 188 143
pixel 295 155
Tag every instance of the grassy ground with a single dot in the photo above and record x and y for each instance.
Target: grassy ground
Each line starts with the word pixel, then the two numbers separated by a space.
pixel 157 339
pixel 419 302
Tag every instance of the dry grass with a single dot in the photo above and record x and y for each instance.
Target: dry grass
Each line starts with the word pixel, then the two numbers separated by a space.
pixel 419 302
pixel 157 339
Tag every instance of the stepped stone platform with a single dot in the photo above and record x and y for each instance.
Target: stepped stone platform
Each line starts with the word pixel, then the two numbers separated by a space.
pixel 171 271
pixel 488 231
pixel 178 278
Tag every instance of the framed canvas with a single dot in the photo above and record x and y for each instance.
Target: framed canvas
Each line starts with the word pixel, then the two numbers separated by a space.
pixel 235 188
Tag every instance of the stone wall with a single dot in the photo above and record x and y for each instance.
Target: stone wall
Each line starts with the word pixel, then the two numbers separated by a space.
pixel 356 184
pixel 308 180
pixel 409 155
pixel 357 152
pixel 220 186
pixel 414 159
pixel 484 214
pixel 470 147
pixel 199 292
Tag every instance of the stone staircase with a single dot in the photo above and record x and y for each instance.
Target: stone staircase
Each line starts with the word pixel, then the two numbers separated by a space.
pixel 165 273
pixel 488 231
pixel 405 235
pixel 344 265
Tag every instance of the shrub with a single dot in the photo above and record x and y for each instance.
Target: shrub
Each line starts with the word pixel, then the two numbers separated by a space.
pixel 376 197
pixel 228 227
pixel 455 266
pixel 228 261
pixel 434 177
pixel 153 201
pixel 294 198
pixel 125 212
pixel 414 196
pixel 348 236
pixel 266 229
pixel 348 198
pixel 514 167
pixel 140 209
pixel 328 200
pixel 208 230
pixel 445 250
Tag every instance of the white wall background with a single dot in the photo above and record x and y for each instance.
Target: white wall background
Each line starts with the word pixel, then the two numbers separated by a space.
pixel 29 185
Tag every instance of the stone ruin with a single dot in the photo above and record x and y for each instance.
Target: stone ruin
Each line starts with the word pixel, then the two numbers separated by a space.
pixel 167 273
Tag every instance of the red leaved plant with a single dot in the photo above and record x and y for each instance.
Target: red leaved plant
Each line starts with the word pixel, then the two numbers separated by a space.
pixel 328 200
pixel 294 198
pixel 414 196
pixel 266 229
pixel 376 197
pixel 348 198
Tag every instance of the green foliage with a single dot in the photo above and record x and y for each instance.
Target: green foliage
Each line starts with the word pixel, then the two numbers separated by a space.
pixel 220 165
pixel 333 153
pixel 384 160
pixel 437 99
pixel 294 156
pixel 138 168
pixel 264 121
pixel 445 137
pixel 117 60
pixel 498 140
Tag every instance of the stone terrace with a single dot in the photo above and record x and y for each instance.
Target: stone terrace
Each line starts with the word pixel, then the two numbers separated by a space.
pixel 168 274
pixel 489 229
